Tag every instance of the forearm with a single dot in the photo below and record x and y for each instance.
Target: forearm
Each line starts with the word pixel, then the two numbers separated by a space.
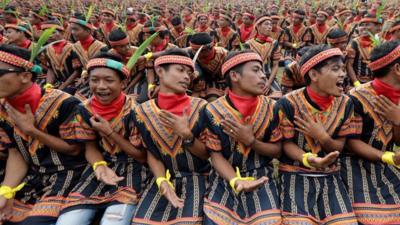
pixel 156 166
pixel 70 79
pixel 222 166
pixel 150 76
pixel 92 153
pixel 128 148
pixel 330 145
pixel 364 150
pixel 55 143
pixel 293 151
pixel 274 71
pixel 199 149
pixel 272 150
pixel 16 169
pixel 50 76
pixel 350 71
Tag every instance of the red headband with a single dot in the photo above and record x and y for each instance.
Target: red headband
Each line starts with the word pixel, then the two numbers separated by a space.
pixel 124 41
pixel 315 60
pixel 275 17
pixel 323 13
pixel 19 62
pixel 296 15
pixel 202 15
pixel 251 16
pixel 47 26
pixel 239 59
pixel 393 29
pixel 108 12
pixel 262 19
pixel 386 60
pixel 196 47
pixel 18 27
pixel 174 59
pixel 109 63
pixel 344 11
pixel 369 20
pixel 338 40
pixel 153 29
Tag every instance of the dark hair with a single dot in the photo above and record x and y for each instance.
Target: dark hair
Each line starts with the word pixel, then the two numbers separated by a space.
pixel 201 38
pixel 300 12
pixel 10 8
pixel 117 35
pixel 237 68
pixel 381 51
pixel 80 16
pixel 108 55
pixel 19 52
pixel 162 34
pixel 173 51
pixel 313 51
pixel 336 33
pixel 176 21
pixel 396 23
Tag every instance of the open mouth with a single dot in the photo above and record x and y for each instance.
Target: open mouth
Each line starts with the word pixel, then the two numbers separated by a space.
pixel 340 85
pixel 102 95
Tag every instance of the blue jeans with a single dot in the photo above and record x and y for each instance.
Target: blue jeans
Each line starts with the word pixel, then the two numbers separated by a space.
pixel 114 215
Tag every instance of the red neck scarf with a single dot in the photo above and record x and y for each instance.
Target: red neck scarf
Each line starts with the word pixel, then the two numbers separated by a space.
pixel 142 20
pixel 203 28
pixel 30 96
pixel 109 111
pixel 239 22
pixel 296 28
pixel 245 105
pixel 321 28
pixel 131 26
pixel 38 26
pixel 25 44
pixel 245 32
pixel 87 42
pixel 160 47
pixel 173 103
pixel 322 101
pixel 188 18
pixel 263 38
pixel 225 31
pixel 382 88
pixel 14 21
pixel 109 26
pixel 365 42
pixel 58 47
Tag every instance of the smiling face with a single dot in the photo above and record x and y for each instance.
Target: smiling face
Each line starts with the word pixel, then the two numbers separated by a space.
pixel 105 84
pixel 251 81
pixel 321 19
pixel 328 81
pixel 368 27
pixel 203 21
pixel 122 49
pixel 174 78
pixel 107 18
pixel 79 32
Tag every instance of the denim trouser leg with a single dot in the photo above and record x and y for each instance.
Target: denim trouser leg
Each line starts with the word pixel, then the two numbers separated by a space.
pixel 78 216
pixel 118 215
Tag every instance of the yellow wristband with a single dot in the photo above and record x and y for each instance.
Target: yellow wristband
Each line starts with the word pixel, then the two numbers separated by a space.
pixel 232 182
pixel 305 159
pixel 150 86
pixel 167 179
pixel 9 192
pixel 99 163
pixel 387 158
pixel 48 86
pixel 356 83
pixel 148 56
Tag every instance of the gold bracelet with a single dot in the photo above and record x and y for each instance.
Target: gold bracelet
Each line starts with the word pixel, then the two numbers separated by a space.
pixel 305 159
pixel 8 192
pixel 99 163
pixel 150 86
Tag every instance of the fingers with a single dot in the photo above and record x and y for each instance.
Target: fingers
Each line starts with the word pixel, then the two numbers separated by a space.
pixel 28 109
pixel 386 101
pixel 228 129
